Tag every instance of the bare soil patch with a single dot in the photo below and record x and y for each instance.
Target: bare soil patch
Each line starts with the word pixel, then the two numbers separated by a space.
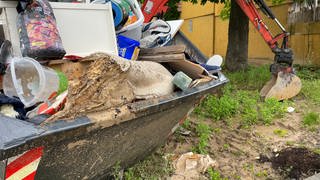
pixel 251 153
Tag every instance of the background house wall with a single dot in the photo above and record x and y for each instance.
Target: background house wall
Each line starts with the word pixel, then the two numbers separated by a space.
pixel 209 33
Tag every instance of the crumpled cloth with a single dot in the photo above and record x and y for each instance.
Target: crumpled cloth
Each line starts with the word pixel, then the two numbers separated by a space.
pixel 18 106
pixel 155 34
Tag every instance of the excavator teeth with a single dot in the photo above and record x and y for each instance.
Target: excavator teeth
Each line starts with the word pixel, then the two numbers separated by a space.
pixel 284 86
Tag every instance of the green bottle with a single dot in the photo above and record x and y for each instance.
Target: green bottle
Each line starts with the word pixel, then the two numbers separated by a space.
pixel 181 80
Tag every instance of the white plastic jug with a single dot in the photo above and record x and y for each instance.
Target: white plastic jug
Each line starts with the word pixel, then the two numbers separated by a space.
pixel 27 79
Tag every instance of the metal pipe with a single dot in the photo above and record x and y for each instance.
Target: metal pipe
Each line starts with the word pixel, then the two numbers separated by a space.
pixel 280 25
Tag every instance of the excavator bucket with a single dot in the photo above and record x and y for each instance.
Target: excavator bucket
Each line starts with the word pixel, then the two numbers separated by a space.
pixel 284 86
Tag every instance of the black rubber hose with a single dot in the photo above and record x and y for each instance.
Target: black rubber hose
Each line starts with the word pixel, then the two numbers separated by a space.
pixel 265 9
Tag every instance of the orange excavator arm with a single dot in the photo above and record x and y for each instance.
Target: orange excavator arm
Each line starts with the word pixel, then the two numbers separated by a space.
pixel 283 54
pixel 284 83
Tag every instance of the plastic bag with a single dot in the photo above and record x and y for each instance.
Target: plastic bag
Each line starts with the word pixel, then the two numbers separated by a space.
pixel 39 36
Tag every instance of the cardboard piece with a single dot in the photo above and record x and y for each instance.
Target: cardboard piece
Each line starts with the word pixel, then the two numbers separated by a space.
pixel 191 69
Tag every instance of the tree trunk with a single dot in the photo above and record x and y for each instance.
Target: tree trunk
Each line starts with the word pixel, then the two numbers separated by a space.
pixel 237 50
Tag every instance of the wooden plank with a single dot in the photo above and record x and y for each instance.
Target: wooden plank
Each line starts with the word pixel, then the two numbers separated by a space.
pixel 163 50
pixel 191 69
pixel 54 62
pixel 163 58
pixel 62 61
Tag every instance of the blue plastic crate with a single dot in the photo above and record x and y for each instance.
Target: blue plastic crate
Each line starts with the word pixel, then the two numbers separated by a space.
pixel 126 46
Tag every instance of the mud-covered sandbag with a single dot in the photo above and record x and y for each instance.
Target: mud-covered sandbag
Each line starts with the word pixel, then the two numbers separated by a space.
pixel 149 79
pixel 111 81
pixel 39 36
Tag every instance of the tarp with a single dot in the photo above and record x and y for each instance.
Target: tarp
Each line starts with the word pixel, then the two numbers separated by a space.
pixel 14 131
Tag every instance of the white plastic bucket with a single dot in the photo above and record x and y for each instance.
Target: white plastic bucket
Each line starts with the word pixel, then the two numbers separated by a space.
pixel 27 79
pixel 134 31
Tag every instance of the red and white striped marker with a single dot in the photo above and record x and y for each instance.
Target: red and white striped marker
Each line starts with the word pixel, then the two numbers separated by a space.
pixel 25 166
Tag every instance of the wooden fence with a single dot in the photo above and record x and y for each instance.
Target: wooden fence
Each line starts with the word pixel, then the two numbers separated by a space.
pixel 307 11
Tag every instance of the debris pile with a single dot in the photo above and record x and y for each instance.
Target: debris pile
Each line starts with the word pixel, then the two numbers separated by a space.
pixel 59 79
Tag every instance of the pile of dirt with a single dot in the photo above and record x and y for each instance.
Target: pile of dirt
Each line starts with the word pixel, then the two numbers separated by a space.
pixel 297 162
pixel 103 79
pixel 111 82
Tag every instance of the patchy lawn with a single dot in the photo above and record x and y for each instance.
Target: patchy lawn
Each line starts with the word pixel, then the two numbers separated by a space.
pixel 245 134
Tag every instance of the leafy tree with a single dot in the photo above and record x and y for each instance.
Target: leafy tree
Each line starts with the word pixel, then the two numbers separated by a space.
pixel 173 13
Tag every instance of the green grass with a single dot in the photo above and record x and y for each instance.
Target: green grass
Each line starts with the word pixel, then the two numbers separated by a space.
pixel 311 119
pixel 245 103
pixel 310 77
pixel 272 108
pixel 252 79
pixel 308 72
pixel 217 130
pixel 280 132
pixel 241 97
pixel 226 147
pixel 317 151
pixel 218 108
pixel 263 173
pixel 215 175
pixel 186 124
pixel 311 90
pixel 290 143
pixel 249 167
pixel 129 175
pixel 203 132
pixel 248 109
pixel 155 166
pixel 116 171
